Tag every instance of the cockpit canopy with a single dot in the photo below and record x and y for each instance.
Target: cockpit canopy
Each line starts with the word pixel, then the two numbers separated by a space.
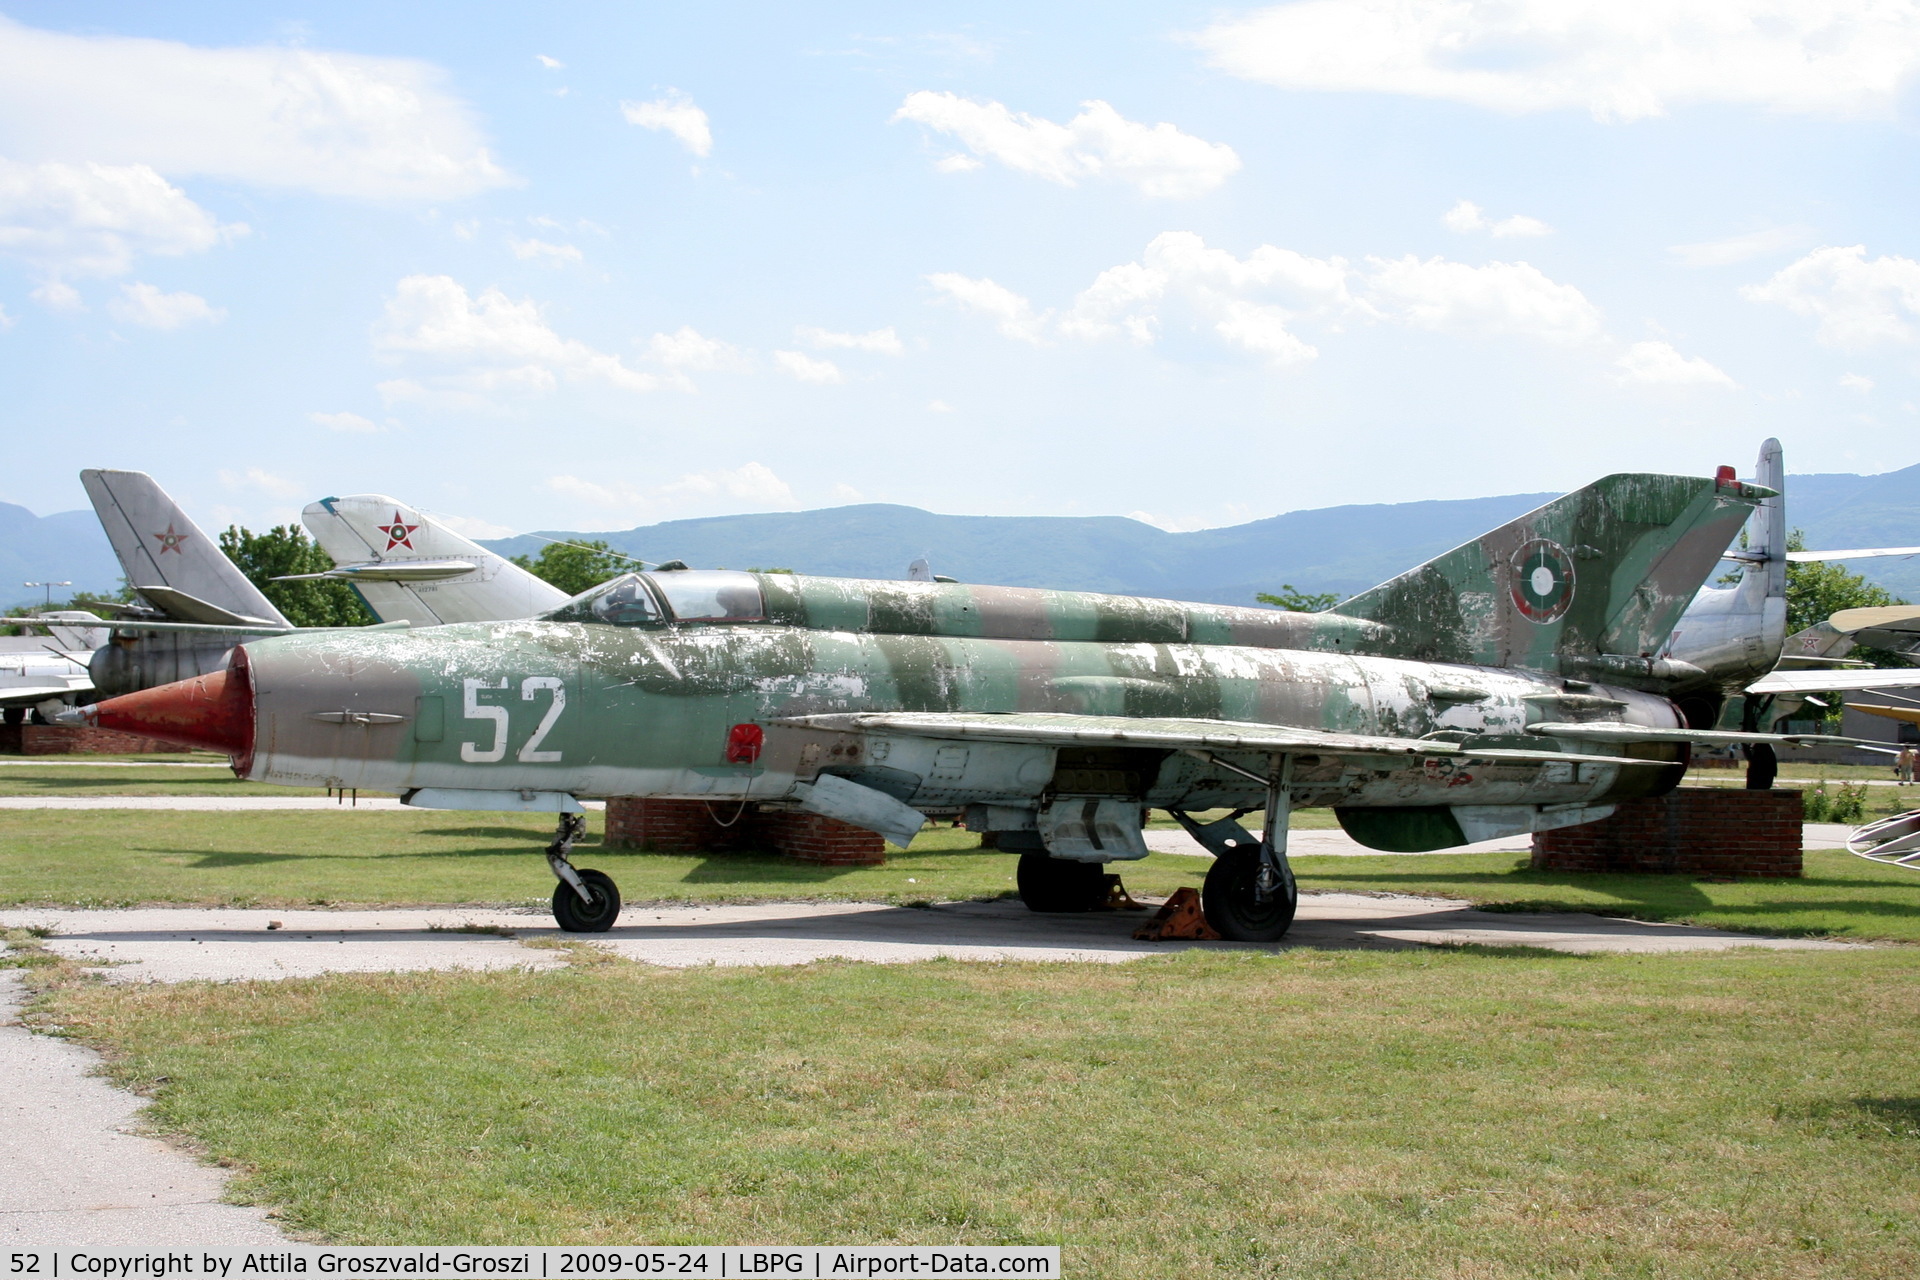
pixel 649 599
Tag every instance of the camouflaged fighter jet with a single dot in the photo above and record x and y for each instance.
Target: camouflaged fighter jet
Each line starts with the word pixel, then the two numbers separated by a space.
pixel 1510 685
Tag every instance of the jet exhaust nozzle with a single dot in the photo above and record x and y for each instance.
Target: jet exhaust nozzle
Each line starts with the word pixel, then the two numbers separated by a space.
pixel 212 712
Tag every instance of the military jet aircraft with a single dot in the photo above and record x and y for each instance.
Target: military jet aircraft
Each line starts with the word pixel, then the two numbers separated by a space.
pixel 1512 684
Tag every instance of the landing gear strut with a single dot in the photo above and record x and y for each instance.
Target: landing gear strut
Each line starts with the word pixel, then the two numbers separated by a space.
pixel 1249 894
pixel 584 901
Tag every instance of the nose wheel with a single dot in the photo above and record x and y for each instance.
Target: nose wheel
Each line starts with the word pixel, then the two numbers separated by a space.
pixel 584 901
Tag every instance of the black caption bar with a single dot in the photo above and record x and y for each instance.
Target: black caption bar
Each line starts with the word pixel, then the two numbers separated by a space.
pixel 547 1262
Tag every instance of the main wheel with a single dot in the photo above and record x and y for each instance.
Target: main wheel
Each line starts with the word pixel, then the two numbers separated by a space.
pixel 1229 897
pixel 576 916
pixel 1057 885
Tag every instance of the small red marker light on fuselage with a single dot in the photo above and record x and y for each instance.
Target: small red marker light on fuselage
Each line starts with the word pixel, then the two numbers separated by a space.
pixel 744 742
pixel 1725 478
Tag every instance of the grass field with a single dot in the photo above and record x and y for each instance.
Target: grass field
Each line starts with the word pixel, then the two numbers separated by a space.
pixel 118 858
pixel 122 857
pixel 1304 1114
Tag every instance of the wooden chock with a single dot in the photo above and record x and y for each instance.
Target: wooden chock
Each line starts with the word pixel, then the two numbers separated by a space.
pixel 1178 917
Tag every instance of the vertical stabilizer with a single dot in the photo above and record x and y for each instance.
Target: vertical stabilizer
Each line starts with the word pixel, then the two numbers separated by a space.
pixel 177 568
pixel 1735 634
pixel 410 568
pixel 1590 583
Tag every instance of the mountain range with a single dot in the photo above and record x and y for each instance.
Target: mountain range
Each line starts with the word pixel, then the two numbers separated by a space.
pixel 1338 549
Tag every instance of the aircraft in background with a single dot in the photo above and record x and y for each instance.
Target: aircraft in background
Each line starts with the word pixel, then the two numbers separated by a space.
pixel 46 673
pixel 408 567
pixel 1512 684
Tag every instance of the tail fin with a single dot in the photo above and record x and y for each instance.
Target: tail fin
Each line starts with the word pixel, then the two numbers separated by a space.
pixel 1591 582
pixel 177 568
pixel 410 568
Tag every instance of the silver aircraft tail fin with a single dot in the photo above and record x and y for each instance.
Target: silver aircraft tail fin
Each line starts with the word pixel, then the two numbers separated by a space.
pixel 1736 634
pixel 176 567
pixel 408 567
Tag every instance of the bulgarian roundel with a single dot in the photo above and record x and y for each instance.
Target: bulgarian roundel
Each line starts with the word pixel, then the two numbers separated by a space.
pixel 1542 580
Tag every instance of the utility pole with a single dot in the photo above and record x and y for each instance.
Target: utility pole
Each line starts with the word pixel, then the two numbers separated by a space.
pixel 49 586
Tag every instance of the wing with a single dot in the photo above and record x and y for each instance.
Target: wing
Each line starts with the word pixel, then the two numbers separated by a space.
pixel 1053 729
pixel 1706 737
pixel 1835 681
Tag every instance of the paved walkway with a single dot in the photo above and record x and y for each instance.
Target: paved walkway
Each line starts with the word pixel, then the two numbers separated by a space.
pixel 167 944
pixel 75 1170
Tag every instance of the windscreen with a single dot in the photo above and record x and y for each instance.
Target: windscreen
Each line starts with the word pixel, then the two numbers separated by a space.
pixel 711 595
pixel 623 602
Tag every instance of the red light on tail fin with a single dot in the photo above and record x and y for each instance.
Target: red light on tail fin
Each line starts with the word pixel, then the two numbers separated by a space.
pixel 1725 478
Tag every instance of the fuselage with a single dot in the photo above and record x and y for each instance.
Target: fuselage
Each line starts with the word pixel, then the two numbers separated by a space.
pixel 590 709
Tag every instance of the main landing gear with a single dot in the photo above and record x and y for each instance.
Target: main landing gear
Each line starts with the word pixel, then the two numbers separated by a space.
pixel 584 901
pixel 1249 894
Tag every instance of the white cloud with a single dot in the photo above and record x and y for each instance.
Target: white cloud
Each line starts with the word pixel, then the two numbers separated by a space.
pixel 1740 248
pixel 1857 302
pixel 807 369
pixel 1158 159
pixel 1658 362
pixel 434 316
pixel 471 526
pixel 958 162
pixel 939 406
pixel 350 423
pixel 844 492
pixel 95 219
pixel 1616 59
pixel 335 123
pixel 541 251
pixel 6 321
pixel 753 487
pixel 56 295
pixel 880 341
pixel 1467 217
pixel 1856 382
pixel 1256 303
pixel 1500 297
pixel 1015 313
pixel 1248 302
pixel 676 114
pixel 144 305
pixel 255 479
pixel 687 348
pixel 551 64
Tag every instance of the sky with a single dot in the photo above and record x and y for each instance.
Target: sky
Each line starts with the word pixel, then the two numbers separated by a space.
pixel 593 265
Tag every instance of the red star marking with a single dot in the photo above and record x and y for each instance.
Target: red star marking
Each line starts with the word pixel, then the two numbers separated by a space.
pixel 399 533
pixel 170 541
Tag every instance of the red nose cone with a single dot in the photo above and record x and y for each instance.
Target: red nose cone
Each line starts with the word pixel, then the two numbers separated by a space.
pixel 214 713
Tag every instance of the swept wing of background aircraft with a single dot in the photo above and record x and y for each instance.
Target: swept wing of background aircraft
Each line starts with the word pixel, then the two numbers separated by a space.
pixel 1510 685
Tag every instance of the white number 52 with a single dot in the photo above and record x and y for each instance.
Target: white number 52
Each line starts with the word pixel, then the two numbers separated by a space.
pixel 530 688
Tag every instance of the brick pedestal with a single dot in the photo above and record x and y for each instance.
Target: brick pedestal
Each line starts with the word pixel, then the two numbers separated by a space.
pixel 694 826
pixel 60 740
pixel 1694 831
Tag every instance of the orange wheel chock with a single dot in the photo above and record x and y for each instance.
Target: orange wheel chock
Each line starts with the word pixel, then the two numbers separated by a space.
pixel 1178 917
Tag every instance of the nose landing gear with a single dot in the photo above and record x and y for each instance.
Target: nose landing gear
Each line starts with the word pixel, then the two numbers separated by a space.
pixel 584 901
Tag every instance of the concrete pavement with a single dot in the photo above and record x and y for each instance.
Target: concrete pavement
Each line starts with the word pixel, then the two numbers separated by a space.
pixel 165 944
pixel 76 1171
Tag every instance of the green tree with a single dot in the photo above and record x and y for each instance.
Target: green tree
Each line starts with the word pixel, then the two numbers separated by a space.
pixel 1295 600
pixel 1817 589
pixel 575 566
pixel 287 549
